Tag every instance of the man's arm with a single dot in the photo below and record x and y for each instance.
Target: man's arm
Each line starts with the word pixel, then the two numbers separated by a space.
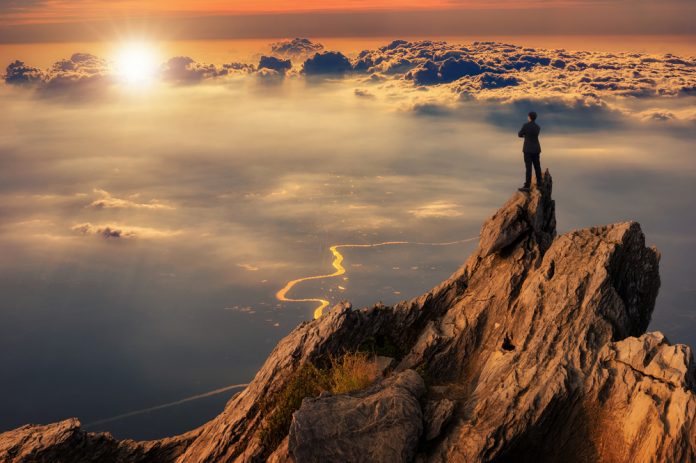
pixel 521 132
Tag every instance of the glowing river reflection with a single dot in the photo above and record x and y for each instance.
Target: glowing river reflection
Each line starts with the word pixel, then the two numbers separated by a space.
pixel 339 270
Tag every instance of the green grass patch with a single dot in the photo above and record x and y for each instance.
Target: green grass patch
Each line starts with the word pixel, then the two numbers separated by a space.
pixel 345 373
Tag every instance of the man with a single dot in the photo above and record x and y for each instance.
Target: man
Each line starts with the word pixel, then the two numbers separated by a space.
pixel 532 151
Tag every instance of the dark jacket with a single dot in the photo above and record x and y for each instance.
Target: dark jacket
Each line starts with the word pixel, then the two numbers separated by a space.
pixel 530 132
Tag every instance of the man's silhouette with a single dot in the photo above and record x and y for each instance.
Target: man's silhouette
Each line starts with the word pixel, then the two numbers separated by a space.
pixel 532 151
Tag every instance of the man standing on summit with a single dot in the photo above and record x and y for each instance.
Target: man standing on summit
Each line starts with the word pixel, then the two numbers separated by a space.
pixel 532 151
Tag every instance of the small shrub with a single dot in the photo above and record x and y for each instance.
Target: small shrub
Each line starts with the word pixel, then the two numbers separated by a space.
pixel 352 372
pixel 345 373
pixel 308 381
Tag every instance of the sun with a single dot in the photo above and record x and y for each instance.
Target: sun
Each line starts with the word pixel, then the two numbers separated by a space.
pixel 136 63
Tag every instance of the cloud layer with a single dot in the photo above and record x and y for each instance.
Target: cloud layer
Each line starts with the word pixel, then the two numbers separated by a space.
pixel 430 73
pixel 505 72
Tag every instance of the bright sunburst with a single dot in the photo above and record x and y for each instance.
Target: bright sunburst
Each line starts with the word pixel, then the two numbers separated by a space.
pixel 136 63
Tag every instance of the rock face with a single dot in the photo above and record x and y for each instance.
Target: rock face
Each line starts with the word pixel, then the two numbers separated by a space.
pixel 66 442
pixel 534 350
pixel 381 423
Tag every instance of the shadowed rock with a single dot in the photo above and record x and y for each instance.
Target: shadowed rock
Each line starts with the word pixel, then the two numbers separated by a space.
pixel 534 350
pixel 436 415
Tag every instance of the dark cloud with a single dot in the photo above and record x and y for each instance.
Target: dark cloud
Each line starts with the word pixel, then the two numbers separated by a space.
pixel 106 232
pixel 296 47
pixel 431 109
pixel 485 81
pixel 271 62
pixel 451 69
pixel 328 62
pixel 236 68
pixel 362 93
pixel 19 73
pixel 81 74
pixel 505 72
pixel 117 231
pixel 427 73
pixel 557 114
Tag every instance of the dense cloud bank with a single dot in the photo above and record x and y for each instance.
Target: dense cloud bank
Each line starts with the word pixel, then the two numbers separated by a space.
pixel 329 62
pixel 488 71
pixel 276 64
pixel 507 72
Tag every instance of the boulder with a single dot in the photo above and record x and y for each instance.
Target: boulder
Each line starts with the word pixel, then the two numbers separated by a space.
pixel 381 423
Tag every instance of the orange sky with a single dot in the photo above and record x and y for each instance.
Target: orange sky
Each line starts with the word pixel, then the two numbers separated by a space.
pixel 34 21
pixel 15 12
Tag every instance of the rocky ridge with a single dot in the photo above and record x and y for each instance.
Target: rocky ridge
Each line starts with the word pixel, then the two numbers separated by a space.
pixel 534 350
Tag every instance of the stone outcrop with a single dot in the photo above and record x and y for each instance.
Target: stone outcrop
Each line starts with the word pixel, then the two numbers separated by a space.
pixel 534 350
pixel 66 442
pixel 381 423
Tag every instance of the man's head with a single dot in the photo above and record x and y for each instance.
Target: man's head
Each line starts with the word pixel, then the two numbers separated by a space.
pixel 532 115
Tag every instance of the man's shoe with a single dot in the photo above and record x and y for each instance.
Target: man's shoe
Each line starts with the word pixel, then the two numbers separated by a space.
pixel 524 189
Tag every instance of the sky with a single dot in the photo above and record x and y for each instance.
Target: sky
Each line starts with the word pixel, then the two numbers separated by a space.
pixel 55 20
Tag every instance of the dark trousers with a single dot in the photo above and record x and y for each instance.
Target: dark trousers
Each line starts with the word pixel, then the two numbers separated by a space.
pixel 532 159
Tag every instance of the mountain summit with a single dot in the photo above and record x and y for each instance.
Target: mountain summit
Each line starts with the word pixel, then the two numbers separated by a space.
pixel 534 350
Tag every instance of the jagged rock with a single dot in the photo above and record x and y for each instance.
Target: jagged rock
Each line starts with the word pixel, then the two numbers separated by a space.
pixel 521 214
pixel 380 423
pixel 537 340
pixel 642 402
pixel 436 415
pixel 383 363
pixel 66 442
pixel 281 454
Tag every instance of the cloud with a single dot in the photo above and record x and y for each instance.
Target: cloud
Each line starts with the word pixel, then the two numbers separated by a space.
pixel 504 73
pixel 80 75
pixel 281 66
pixel 83 71
pixel 428 76
pixel 236 68
pixel 107 201
pixel 113 231
pixel 437 209
pixel 84 74
pixel 105 232
pixel 667 115
pixel 296 47
pixel 184 70
pixel 248 267
pixel 363 93
pixel 19 73
pixel 326 63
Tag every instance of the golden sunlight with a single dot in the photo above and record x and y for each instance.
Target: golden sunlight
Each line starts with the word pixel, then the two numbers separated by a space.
pixel 136 63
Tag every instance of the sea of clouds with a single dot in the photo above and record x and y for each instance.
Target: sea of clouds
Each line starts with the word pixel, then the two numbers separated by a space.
pixel 145 231
pixel 433 75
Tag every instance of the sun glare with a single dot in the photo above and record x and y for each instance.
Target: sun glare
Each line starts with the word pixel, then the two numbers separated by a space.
pixel 136 63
